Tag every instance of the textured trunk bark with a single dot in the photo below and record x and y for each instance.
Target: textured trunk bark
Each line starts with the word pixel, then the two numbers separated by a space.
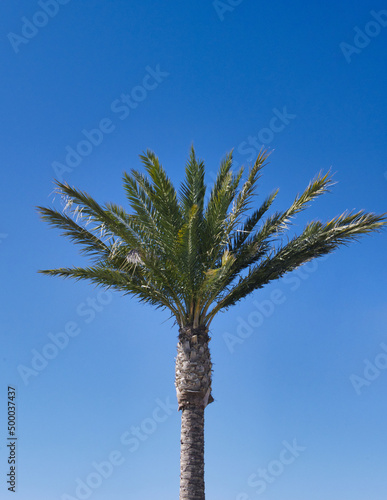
pixel 192 454
pixel 193 389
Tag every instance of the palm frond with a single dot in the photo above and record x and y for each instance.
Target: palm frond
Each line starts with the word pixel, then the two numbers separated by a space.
pixel 193 190
pixel 106 221
pixel 127 282
pixel 256 245
pixel 92 245
pixel 316 240
pixel 162 193
pixel 216 223
pixel 244 198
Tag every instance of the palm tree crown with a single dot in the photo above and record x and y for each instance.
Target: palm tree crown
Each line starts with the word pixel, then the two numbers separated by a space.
pixel 194 258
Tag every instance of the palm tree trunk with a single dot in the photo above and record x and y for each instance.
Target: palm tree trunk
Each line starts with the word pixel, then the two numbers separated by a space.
pixel 192 454
pixel 193 389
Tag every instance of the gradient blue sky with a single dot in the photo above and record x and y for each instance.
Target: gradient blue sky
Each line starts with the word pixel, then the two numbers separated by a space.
pixel 225 76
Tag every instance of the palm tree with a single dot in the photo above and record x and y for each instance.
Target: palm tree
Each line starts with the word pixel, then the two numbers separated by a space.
pixel 195 257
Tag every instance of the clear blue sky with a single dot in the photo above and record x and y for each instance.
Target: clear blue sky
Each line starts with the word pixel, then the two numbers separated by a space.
pixel 304 79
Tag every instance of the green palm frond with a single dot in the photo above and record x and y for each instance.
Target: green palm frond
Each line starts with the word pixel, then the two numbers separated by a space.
pixel 145 216
pixel 244 233
pixel 91 244
pixel 193 190
pixel 162 193
pixel 244 198
pixel 256 244
pixel 127 282
pixel 223 174
pixel 216 223
pixel 316 240
pixel 100 219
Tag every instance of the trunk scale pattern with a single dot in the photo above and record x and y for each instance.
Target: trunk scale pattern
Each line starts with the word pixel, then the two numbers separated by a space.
pixel 193 390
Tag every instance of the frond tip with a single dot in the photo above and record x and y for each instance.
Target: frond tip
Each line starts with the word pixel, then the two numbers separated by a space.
pixel 134 257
